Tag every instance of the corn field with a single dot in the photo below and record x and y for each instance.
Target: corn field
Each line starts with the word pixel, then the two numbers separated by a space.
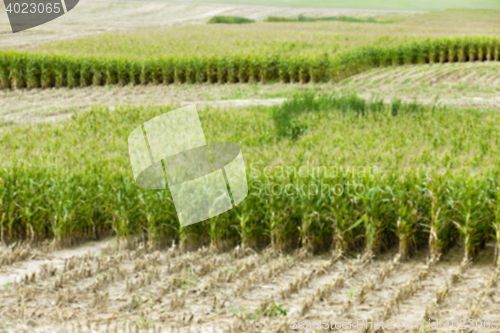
pixel 432 183
pixel 28 70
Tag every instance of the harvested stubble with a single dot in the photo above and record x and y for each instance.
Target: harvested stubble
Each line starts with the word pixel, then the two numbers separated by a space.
pixel 438 182
pixel 20 70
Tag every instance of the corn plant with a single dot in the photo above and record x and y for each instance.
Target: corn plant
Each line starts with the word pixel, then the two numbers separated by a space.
pixel 470 216
pixel 440 225
pixel 473 49
pixel 453 45
pixel 33 72
pixel 134 71
pixel 122 72
pixel 111 67
pixel 462 50
pixel 201 74
pixel 5 72
pixel 167 71
pixel 73 69
pixel 47 73
pixel 284 71
pixel 319 67
pixel 18 71
pixel 408 202
pixel 86 73
pixel 98 72
pixel 494 203
pixel 244 70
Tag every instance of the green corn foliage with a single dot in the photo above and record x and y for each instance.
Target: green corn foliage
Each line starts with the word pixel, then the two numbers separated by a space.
pixel 490 49
pixel 122 72
pixel 462 51
pixel 111 68
pixel 33 72
pixel 423 52
pixel 244 70
pixel 180 70
pixel 294 69
pixel 494 205
pixel 98 72
pixel 470 218
pixel 201 73
pixel 190 71
pixel 375 223
pixel 73 73
pixel 409 215
pixel 319 67
pixel 269 68
pixel 86 73
pixel 284 71
pixel 433 53
pixel 167 70
pixel 443 50
pixel 441 230
pixel 47 75
pixel 222 71
pixel 18 70
pixel 482 50
pixel 134 70
pixel 342 213
pixel 233 69
pixel 56 185
pixel 76 71
pixel 5 72
pixel 453 46
pixel 397 56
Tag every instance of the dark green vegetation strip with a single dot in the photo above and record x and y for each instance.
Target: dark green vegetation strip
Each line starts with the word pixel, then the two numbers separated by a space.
pixel 303 18
pixel 229 20
pixel 19 70
pixel 400 173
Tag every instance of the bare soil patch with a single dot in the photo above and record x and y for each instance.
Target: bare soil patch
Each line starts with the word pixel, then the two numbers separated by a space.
pixel 130 287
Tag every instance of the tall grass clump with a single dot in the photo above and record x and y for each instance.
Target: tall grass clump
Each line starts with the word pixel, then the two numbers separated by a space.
pixel 229 20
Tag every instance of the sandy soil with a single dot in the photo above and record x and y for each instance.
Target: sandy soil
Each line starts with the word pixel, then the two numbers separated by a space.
pixel 92 17
pixel 132 288
pixel 463 85
pixel 11 273
pixel 27 106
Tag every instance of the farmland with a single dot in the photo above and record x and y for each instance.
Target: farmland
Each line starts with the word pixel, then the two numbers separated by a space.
pixel 284 38
pixel 132 288
pixel 372 148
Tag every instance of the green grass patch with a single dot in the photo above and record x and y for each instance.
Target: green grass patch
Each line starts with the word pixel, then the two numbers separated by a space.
pixel 229 20
pixel 303 18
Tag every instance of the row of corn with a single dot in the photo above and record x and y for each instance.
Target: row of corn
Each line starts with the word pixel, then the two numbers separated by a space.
pixel 29 70
pixel 415 211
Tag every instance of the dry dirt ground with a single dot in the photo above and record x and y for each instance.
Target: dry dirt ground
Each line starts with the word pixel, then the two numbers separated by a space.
pixel 128 287
pixel 460 85
pixel 92 17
